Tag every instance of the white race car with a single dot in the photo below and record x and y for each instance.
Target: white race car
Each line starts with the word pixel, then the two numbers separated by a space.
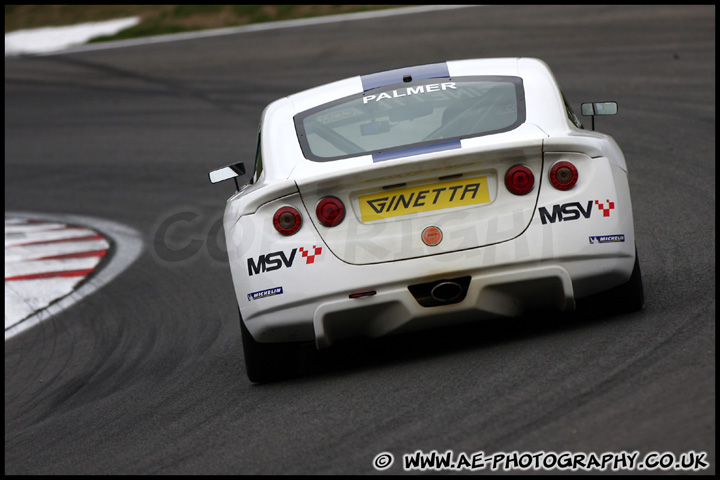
pixel 420 197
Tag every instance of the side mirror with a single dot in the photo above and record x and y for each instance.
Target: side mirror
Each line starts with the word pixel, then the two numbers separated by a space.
pixel 598 108
pixel 226 173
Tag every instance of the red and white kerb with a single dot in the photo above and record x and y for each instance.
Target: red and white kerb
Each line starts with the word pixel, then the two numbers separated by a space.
pixel 45 261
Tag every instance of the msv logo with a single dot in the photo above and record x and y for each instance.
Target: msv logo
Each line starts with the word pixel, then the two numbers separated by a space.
pixel 276 260
pixel 573 211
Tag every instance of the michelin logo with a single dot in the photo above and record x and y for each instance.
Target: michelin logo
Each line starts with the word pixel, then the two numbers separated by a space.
pixel 607 239
pixel 265 293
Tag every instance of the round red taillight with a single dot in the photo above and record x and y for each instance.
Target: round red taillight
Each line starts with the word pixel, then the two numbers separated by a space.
pixel 330 211
pixel 287 220
pixel 563 175
pixel 519 179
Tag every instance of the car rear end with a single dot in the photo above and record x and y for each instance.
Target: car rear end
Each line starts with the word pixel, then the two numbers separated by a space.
pixel 398 212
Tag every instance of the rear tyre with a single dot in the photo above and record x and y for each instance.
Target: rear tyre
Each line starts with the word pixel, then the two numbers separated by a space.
pixel 267 362
pixel 626 298
pixel 631 295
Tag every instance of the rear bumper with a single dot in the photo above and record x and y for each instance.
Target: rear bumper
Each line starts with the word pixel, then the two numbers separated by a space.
pixel 333 310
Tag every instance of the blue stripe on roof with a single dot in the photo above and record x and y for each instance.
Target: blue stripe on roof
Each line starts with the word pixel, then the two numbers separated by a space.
pixel 390 77
pixel 408 152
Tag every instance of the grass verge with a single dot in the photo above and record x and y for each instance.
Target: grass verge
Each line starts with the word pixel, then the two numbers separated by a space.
pixel 163 19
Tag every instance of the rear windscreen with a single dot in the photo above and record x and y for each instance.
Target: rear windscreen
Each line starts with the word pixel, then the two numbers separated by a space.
pixel 409 115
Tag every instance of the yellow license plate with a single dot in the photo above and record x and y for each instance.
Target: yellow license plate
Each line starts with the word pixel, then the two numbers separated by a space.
pixel 424 198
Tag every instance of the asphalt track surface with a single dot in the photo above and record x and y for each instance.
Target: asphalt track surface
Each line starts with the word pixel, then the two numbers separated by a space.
pixel 146 375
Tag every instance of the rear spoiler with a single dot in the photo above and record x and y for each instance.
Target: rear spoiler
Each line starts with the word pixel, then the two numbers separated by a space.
pixel 226 173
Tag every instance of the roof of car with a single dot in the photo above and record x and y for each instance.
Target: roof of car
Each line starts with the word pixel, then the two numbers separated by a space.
pixel 534 72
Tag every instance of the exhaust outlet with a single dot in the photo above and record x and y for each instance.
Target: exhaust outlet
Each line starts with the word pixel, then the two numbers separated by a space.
pixel 440 292
pixel 445 292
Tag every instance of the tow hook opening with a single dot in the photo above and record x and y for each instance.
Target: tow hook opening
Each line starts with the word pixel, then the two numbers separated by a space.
pixel 440 292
